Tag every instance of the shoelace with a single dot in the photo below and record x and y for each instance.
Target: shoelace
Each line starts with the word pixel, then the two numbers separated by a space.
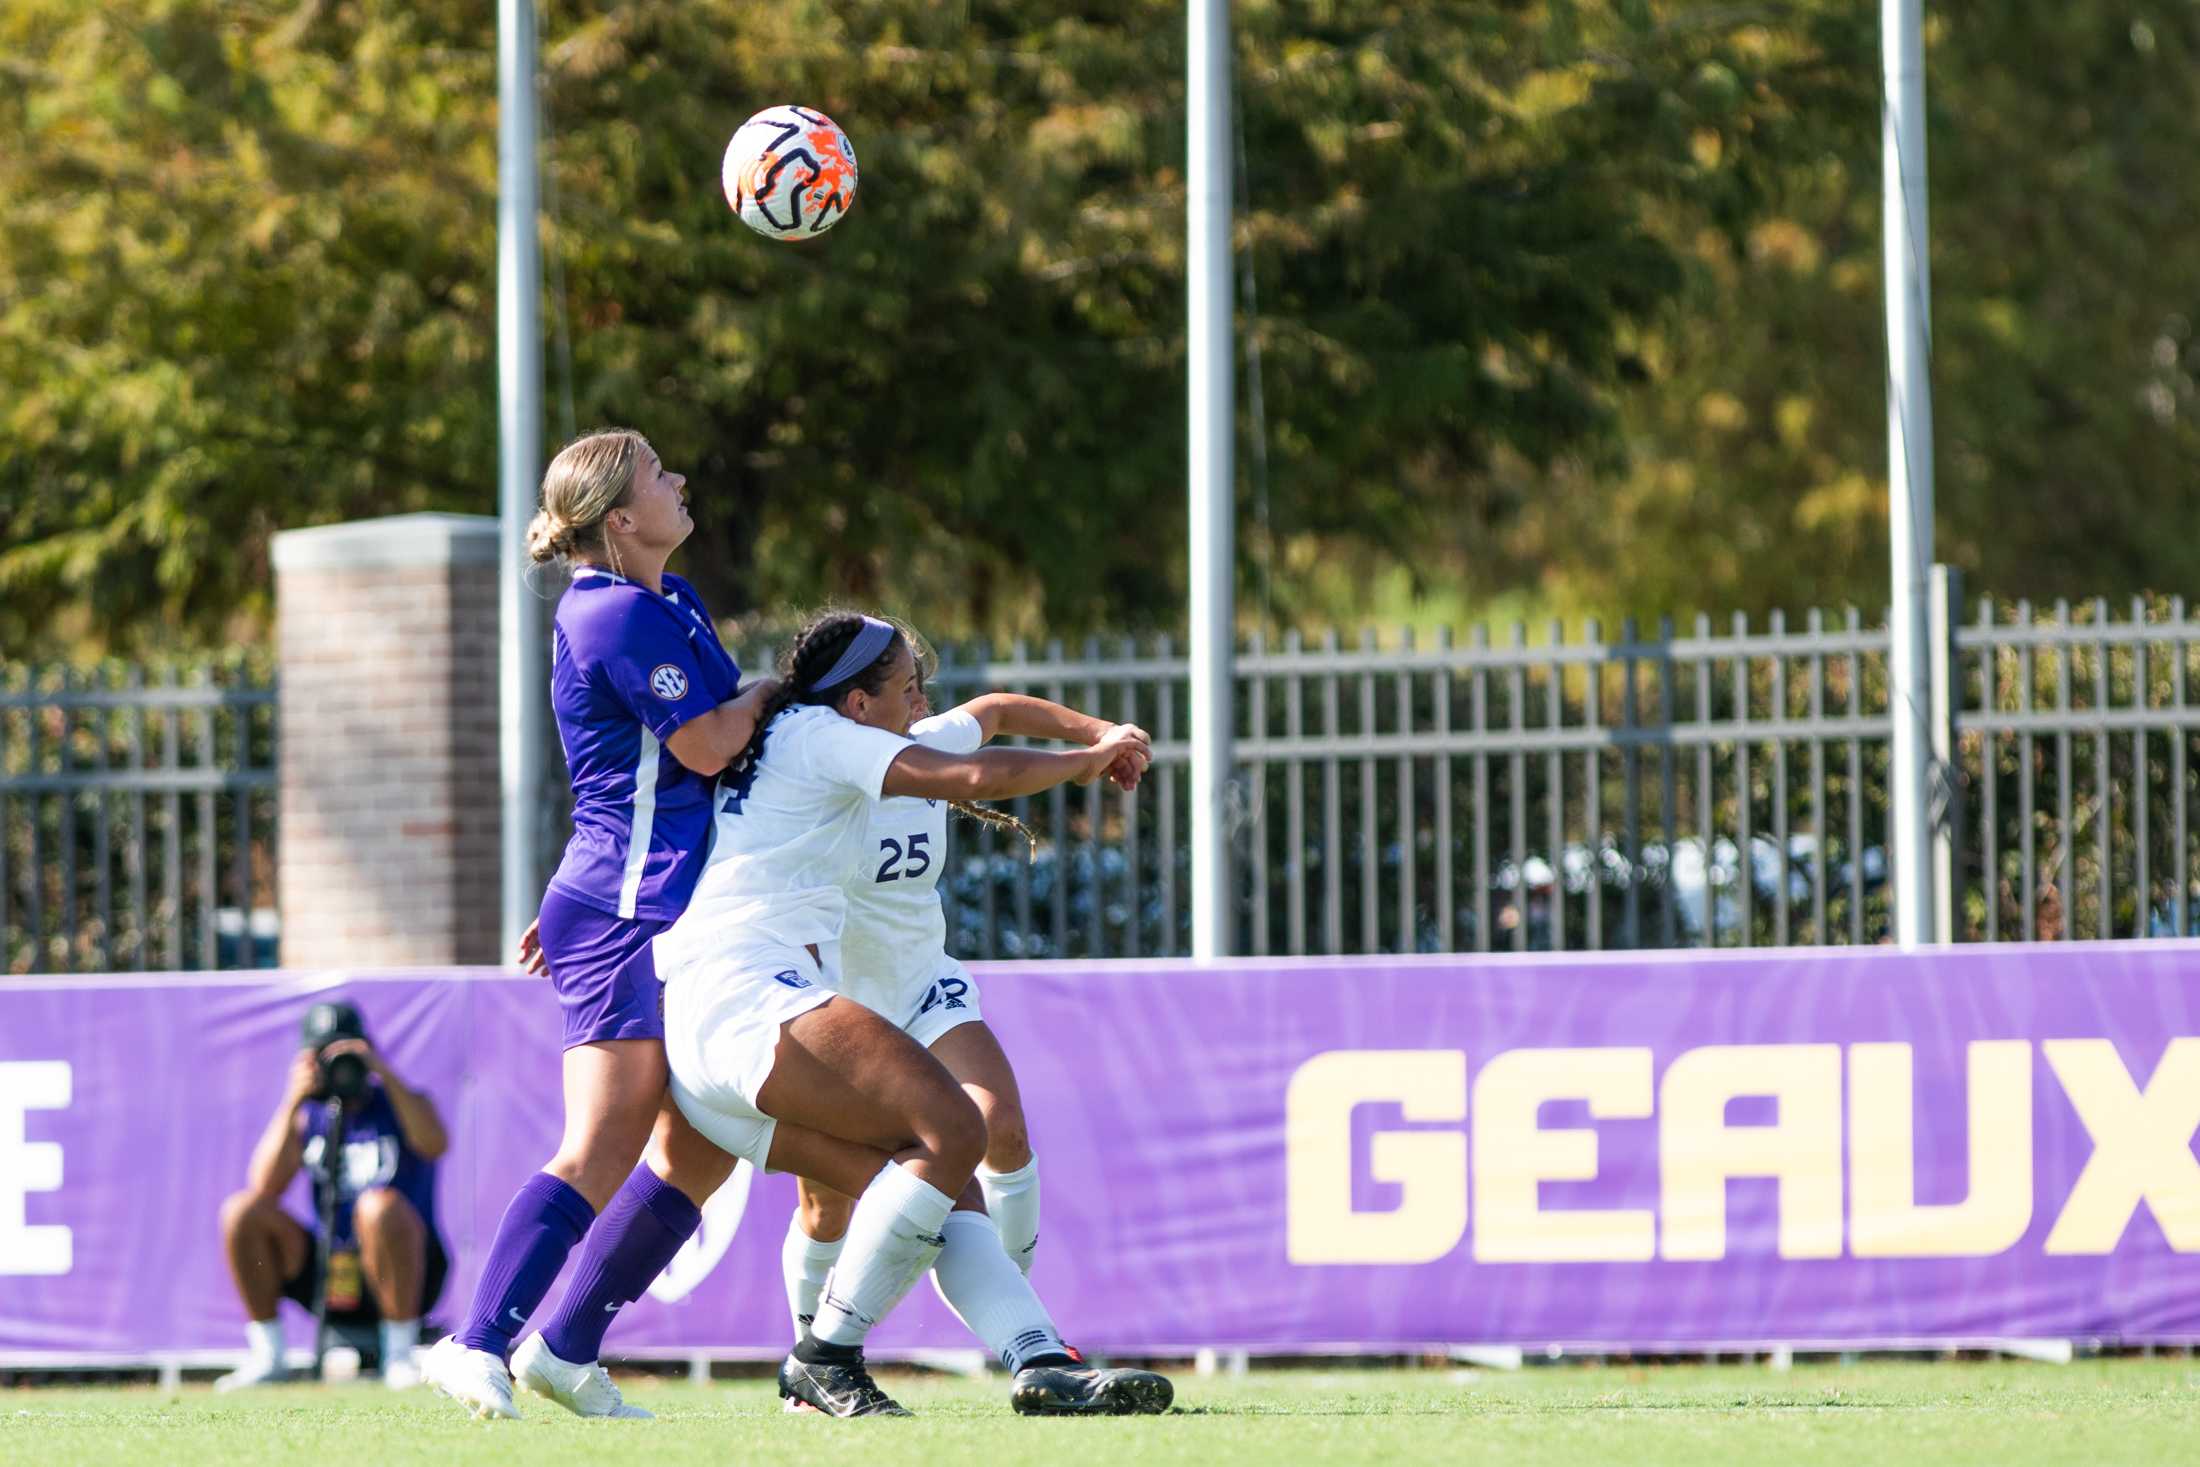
pixel 604 1389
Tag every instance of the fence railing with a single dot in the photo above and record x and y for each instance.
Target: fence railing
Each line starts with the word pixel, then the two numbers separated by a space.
pixel 2074 741
pixel 137 818
pixel 1713 785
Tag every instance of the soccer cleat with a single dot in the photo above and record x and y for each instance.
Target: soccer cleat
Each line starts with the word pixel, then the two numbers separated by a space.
pixel 256 1371
pixel 401 1374
pixel 584 1390
pixel 838 1386
pixel 475 1379
pixel 793 1405
pixel 1079 1390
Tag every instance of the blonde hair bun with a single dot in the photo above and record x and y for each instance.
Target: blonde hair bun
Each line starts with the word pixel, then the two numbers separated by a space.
pixel 587 480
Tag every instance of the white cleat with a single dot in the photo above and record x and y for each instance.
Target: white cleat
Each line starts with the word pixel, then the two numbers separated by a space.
pixel 584 1390
pixel 475 1379
pixel 254 1372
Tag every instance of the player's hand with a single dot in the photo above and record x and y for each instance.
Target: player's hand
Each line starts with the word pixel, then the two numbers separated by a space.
pixel 530 956
pixel 1123 741
pixel 1136 758
pixel 1134 741
pixel 1134 731
pixel 304 1078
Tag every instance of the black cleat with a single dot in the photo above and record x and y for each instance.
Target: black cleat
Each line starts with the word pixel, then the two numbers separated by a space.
pixel 836 1384
pixel 1077 1389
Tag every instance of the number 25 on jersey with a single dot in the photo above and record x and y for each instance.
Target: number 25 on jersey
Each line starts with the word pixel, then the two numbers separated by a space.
pixel 894 853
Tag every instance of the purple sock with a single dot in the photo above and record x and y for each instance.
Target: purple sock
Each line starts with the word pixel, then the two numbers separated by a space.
pixel 642 1228
pixel 541 1226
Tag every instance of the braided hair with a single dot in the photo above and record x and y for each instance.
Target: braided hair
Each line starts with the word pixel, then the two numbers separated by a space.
pixel 814 651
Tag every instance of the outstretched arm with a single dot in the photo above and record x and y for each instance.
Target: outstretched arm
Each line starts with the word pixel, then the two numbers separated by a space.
pixel 1004 774
pixel 1019 716
pixel 1035 718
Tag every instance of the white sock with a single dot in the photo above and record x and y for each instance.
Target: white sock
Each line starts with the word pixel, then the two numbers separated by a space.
pixel 804 1262
pixel 1012 1199
pixel 892 1239
pixel 989 1294
pixel 264 1338
pixel 398 1338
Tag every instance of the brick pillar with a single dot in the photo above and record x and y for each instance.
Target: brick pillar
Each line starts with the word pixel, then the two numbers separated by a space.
pixel 388 843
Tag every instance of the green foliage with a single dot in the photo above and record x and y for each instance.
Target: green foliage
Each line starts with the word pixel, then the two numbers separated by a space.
pixel 1576 298
pixel 244 287
pixel 2064 302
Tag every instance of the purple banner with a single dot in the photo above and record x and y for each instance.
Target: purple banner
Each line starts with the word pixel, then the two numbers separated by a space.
pixel 1644 1152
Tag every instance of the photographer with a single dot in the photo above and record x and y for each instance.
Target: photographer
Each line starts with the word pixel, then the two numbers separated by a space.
pixel 385 1261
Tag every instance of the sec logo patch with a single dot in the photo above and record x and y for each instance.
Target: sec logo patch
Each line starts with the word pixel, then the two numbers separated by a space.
pixel 668 682
pixel 791 978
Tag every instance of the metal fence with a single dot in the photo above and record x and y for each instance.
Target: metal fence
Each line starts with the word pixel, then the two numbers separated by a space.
pixel 137 817
pixel 1718 785
pixel 1713 787
pixel 2073 734
pixel 1720 788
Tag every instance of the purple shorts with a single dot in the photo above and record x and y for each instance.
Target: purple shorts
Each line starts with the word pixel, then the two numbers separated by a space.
pixel 602 970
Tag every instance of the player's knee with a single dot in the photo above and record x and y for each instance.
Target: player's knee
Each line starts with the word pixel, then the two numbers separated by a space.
pixel 597 1164
pixel 956 1131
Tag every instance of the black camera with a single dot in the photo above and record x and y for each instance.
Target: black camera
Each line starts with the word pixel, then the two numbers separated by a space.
pixel 340 1077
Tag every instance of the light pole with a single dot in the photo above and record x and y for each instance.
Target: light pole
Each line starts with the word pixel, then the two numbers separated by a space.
pixel 522 670
pixel 1209 375
pixel 1909 462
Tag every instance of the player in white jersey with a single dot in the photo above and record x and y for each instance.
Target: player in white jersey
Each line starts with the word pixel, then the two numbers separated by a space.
pixel 769 1064
pixel 894 959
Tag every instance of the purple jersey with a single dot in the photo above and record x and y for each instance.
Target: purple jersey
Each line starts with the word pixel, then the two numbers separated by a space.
pixel 627 668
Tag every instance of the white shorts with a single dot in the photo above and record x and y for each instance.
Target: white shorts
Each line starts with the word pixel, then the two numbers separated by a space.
pixel 722 1018
pixel 941 997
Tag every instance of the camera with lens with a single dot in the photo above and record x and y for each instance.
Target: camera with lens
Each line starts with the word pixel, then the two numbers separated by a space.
pixel 341 1077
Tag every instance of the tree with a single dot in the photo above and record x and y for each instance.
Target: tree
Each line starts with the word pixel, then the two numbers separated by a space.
pixel 243 288
pixel 250 284
pixel 2063 305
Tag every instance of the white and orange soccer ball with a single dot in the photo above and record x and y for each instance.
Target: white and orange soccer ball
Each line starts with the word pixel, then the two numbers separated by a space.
pixel 790 173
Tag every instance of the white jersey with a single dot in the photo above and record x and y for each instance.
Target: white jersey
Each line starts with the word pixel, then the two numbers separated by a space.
pixel 896 930
pixel 788 839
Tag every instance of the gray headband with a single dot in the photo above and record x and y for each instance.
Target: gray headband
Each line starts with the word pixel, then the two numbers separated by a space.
pixel 870 640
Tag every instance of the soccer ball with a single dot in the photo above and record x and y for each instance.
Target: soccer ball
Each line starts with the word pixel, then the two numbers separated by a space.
pixel 790 173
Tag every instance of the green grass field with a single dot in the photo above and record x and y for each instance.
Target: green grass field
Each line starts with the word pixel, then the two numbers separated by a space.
pixel 2106 1411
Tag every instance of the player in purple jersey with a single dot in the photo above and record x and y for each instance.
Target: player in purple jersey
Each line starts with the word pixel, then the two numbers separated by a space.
pixel 649 711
